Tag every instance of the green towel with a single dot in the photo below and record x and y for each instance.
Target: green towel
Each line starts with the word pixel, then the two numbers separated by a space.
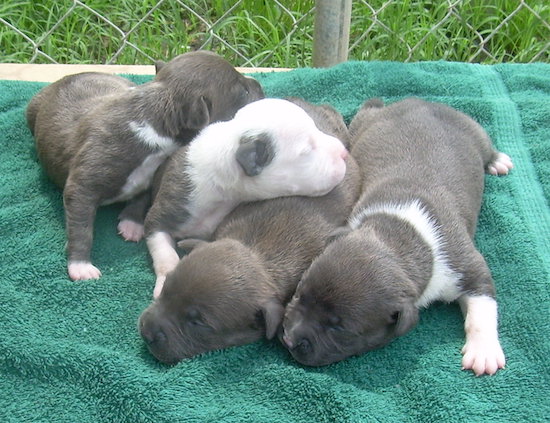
pixel 70 351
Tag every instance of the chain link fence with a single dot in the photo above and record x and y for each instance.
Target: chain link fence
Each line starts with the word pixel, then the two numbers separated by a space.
pixel 270 33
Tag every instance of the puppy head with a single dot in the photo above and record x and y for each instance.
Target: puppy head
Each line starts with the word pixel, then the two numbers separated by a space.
pixel 201 88
pixel 284 152
pixel 354 298
pixel 326 118
pixel 217 297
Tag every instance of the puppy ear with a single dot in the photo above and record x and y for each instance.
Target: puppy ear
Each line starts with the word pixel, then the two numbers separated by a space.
pixel 159 64
pixel 406 319
pixel 198 114
pixel 189 243
pixel 254 153
pixel 273 312
pixel 191 112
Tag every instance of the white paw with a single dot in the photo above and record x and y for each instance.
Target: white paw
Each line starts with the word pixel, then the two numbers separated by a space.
pixel 81 270
pixel 158 286
pixel 165 258
pixel 483 356
pixel 130 230
pixel 501 165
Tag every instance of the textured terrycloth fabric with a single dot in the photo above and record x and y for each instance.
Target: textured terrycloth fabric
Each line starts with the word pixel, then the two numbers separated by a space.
pixel 70 351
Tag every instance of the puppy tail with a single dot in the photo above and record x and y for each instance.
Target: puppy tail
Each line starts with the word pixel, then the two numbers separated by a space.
pixel 32 110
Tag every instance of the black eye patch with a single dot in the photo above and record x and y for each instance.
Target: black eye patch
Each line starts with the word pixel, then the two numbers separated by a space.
pixel 255 152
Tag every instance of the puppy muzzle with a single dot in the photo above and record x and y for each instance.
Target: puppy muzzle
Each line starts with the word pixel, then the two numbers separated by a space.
pixel 299 345
pixel 153 331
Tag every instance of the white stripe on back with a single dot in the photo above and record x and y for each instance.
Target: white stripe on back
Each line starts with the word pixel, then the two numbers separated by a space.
pixel 443 283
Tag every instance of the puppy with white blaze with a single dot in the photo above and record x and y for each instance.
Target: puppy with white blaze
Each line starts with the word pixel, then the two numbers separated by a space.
pixel 271 148
pixel 408 242
pixel 101 137
pixel 233 290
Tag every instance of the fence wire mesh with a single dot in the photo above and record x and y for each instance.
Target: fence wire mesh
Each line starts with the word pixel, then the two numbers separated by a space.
pixel 270 33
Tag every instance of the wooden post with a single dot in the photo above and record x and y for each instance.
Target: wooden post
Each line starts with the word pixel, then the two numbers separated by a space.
pixel 331 32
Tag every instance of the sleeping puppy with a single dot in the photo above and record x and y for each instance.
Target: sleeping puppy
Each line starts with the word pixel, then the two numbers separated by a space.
pixel 232 291
pixel 271 148
pixel 408 242
pixel 101 137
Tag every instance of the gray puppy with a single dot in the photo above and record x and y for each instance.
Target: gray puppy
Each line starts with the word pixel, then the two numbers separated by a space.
pixel 101 137
pixel 408 242
pixel 232 291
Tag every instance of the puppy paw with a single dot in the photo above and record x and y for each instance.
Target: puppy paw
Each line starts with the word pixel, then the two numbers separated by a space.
pixel 501 165
pixel 81 270
pixel 158 286
pixel 130 230
pixel 483 356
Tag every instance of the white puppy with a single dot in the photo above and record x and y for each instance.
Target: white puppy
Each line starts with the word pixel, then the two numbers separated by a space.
pixel 271 148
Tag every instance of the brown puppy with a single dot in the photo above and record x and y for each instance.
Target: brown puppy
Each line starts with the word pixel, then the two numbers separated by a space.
pixel 101 137
pixel 233 290
pixel 409 240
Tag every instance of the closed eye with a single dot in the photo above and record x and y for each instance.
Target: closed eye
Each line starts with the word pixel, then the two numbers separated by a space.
pixel 305 151
pixel 245 91
pixel 194 320
pixel 308 148
pixel 334 323
pixel 199 326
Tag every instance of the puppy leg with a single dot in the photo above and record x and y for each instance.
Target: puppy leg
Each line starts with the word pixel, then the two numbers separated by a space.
pixel 80 211
pixel 482 352
pixel 165 258
pixel 131 218
pixel 500 165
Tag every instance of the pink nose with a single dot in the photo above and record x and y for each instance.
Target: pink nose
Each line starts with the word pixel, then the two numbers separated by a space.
pixel 287 341
pixel 344 154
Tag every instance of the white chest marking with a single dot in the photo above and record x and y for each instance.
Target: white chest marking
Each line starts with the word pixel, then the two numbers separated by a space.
pixel 443 283
pixel 147 134
pixel 140 178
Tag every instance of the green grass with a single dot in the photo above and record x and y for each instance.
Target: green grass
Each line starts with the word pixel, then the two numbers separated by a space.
pixel 458 37
pixel 412 30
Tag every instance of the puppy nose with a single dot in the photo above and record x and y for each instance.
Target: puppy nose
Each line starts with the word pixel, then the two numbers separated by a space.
pixel 152 335
pixel 344 154
pixel 303 346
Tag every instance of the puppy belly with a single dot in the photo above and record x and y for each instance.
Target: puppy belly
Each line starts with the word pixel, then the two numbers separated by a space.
pixel 140 178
